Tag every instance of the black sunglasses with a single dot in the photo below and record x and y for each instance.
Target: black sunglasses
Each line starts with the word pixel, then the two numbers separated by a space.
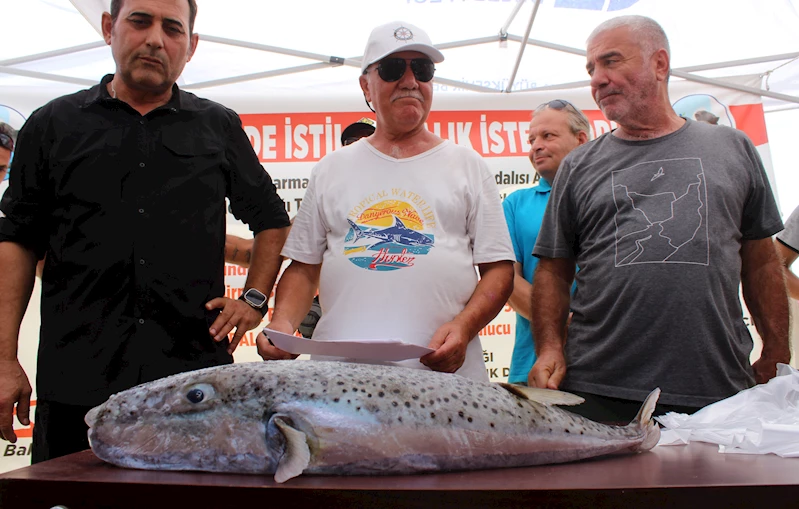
pixel 559 104
pixel 392 69
pixel 6 142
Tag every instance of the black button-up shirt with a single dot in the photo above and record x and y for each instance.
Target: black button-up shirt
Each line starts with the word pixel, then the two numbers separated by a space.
pixel 130 212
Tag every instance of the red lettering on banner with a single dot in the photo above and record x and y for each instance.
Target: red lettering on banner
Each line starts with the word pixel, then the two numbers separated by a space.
pixel 495 330
pixel 235 270
pixel 307 137
pixel 248 339
pixel 232 292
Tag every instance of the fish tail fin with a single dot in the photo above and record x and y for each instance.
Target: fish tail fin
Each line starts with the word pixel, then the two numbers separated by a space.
pixel 356 229
pixel 645 423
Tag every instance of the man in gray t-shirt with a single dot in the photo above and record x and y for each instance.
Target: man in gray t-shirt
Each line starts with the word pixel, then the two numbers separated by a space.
pixel 788 248
pixel 665 218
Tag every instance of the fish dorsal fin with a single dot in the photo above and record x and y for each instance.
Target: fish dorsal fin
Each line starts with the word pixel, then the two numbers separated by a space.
pixel 399 224
pixel 544 396
pixel 297 455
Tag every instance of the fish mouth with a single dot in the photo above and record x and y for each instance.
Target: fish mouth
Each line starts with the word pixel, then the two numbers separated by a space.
pixel 92 416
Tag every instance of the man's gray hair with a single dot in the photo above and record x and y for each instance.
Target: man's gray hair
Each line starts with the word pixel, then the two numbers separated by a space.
pixel 646 31
pixel 578 122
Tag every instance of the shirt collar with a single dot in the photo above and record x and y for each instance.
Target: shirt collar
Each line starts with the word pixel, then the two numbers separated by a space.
pixel 543 186
pixel 99 93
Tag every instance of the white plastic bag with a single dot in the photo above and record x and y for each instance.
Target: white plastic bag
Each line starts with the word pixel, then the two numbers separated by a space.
pixel 760 420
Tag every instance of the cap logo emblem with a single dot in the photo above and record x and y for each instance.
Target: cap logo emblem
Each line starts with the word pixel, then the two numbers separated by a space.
pixel 403 34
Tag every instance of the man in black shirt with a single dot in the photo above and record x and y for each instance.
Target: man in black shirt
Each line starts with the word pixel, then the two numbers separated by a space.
pixel 109 183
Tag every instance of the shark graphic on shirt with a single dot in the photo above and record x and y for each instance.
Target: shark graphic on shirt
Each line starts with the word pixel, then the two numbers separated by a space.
pixel 396 234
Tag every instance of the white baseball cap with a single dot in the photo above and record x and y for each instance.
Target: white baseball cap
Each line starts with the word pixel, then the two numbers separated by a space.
pixel 398 36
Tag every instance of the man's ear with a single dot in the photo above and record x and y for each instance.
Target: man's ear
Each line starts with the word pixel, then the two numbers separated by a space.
pixel 193 40
pixel 365 87
pixel 582 137
pixel 107 25
pixel 662 64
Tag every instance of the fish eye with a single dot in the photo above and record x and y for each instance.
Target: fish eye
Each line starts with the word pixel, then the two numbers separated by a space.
pixel 195 395
pixel 199 393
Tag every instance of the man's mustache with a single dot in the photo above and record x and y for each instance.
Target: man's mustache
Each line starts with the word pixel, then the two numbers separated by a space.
pixel 413 95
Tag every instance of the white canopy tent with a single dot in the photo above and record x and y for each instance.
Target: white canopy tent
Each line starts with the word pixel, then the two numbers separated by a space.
pixel 246 40
pixel 309 50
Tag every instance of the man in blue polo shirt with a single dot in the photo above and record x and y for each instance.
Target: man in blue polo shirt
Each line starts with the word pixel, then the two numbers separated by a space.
pixel 556 129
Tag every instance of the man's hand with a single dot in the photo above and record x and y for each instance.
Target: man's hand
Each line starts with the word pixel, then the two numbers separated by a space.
pixel 766 298
pixel 449 342
pixel 548 370
pixel 270 352
pixel 765 367
pixel 14 390
pixel 235 314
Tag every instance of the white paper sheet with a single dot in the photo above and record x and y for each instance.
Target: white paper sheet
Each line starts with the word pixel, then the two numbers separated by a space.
pixel 372 349
pixel 760 420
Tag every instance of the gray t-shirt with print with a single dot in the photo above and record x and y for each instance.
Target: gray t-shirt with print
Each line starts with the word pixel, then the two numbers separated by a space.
pixel 790 235
pixel 656 228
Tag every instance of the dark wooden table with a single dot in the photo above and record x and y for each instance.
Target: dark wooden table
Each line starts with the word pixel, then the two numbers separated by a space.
pixel 682 476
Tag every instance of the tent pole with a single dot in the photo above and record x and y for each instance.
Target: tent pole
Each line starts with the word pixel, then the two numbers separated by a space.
pixel 264 47
pixel 469 42
pixel 256 76
pixel 524 44
pixel 503 32
pixel 548 45
pixel 741 88
pixel 736 63
pixel 46 76
pixel 54 53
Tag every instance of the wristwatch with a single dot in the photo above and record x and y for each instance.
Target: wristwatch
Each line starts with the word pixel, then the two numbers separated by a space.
pixel 255 299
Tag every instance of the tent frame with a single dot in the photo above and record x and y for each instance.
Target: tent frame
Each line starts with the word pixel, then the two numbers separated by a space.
pixel 90 8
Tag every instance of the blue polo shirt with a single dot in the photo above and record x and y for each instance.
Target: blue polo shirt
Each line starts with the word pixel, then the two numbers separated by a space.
pixel 524 211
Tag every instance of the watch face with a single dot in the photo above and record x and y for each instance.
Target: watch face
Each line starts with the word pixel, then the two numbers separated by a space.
pixel 255 297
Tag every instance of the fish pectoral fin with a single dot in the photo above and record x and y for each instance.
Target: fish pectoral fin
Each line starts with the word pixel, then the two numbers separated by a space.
pixel 297 455
pixel 544 396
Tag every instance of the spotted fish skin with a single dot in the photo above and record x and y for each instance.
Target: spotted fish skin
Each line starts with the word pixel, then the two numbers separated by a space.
pixel 293 417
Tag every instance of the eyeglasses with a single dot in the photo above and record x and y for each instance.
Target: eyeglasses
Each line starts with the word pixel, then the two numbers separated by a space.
pixel 6 142
pixel 559 104
pixel 392 69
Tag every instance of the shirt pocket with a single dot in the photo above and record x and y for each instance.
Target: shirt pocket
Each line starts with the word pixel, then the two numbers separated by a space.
pixel 196 163
pixel 194 153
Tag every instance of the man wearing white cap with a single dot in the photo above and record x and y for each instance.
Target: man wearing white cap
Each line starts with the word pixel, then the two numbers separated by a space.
pixel 392 227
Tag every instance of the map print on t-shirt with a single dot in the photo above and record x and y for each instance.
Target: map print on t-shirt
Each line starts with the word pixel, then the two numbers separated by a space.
pixel 661 213
pixel 389 230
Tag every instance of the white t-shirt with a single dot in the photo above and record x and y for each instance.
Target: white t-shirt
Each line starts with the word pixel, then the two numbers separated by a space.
pixel 398 240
